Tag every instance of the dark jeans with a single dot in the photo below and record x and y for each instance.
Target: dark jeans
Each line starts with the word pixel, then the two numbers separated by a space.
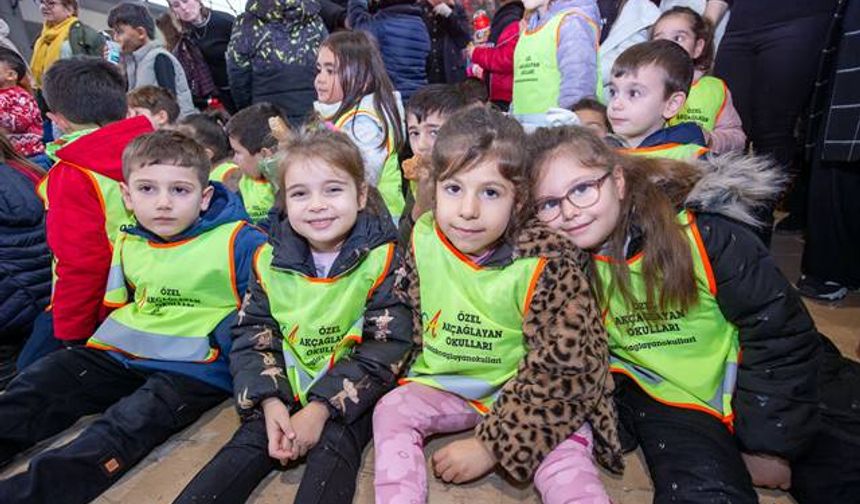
pixel 329 478
pixel 40 343
pixel 141 411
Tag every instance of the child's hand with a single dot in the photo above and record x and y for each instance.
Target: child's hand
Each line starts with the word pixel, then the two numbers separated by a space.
pixel 768 471
pixel 278 429
pixel 308 425
pixel 462 461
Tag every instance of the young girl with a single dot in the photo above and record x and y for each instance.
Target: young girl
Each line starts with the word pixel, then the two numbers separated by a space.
pixel 209 131
pixel 355 95
pixel 320 336
pixel 510 340
pixel 709 102
pixel 19 112
pixel 716 359
pixel 555 61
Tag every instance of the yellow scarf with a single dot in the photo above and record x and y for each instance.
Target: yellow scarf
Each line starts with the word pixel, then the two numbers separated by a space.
pixel 48 45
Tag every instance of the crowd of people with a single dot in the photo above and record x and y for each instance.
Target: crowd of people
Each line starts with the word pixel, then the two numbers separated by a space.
pixel 375 222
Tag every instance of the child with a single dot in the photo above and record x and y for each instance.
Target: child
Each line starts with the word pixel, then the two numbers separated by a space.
pixel 555 60
pixel 81 192
pixel 649 86
pixel 592 115
pixel 209 133
pixel 709 103
pixel 19 112
pixel 401 34
pixel 147 63
pixel 510 338
pixel 712 349
pixel 355 95
pixel 321 335
pixel 496 57
pixel 254 149
pixel 159 360
pixel 156 103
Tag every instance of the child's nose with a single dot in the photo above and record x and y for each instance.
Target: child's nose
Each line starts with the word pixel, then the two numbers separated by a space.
pixel 569 210
pixel 470 207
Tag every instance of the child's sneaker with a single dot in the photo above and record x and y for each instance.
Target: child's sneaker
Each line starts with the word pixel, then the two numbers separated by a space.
pixel 824 290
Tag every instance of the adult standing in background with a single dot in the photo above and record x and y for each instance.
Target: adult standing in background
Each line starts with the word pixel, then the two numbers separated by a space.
pixel 201 49
pixel 449 32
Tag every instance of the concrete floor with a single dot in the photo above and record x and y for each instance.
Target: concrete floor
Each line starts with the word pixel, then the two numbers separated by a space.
pixel 164 473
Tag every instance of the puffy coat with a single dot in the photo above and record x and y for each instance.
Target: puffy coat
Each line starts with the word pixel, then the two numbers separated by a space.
pixel 498 60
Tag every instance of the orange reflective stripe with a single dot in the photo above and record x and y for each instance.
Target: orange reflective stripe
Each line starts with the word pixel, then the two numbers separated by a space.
pixel 472 264
pixel 383 274
pixel 722 105
pixel 232 260
pixel 706 262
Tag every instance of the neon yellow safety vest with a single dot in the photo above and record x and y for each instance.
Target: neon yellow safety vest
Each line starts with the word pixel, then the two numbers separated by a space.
pixel 321 319
pixel 223 172
pixel 390 183
pixel 473 318
pixel 51 148
pixel 258 196
pixel 182 291
pixel 537 79
pixel 681 152
pixel 687 359
pixel 704 104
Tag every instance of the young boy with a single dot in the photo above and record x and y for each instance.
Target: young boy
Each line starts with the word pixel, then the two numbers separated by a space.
pixel 649 86
pixel 147 63
pixel 159 360
pixel 592 115
pixel 254 153
pixel 87 100
pixel 156 103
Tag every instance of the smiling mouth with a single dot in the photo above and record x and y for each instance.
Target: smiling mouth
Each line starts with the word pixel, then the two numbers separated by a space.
pixel 578 228
pixel 321 223
pixel 466 232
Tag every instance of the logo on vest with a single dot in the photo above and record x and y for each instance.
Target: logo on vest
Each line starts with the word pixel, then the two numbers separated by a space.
pixel 647 320
pixel 433 324
pixel 165 297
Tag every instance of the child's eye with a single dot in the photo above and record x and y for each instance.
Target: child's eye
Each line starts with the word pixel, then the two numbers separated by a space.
pixel 334 190
pixel 635 93
pixel 452 189
pixel 579 190
pixel 145 188
pixel 491 193
pixel 434 132
pixel 548 204
pixel 181 190
pixel 611 92
pixel 296 194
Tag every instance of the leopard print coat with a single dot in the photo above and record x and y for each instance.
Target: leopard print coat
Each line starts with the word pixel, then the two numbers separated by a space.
pixel 564 379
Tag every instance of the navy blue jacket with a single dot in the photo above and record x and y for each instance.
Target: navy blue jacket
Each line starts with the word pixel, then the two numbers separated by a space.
pixel 25 262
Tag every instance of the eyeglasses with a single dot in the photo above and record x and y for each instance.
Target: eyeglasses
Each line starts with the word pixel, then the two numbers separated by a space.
pixel 583 195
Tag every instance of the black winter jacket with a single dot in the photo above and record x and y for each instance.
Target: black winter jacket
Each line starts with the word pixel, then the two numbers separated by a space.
pixel 449 36
pixel 358 380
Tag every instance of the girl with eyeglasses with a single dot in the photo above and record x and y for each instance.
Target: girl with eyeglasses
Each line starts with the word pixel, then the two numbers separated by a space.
pixel 716 361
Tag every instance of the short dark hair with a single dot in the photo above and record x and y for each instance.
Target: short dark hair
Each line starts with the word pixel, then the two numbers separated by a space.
pixel 131 14
pixel 589 103
pixel 85 90
pixel 250 126
pixel 15 62
pixel 442 99
pixel 664 54
pixel 208 132
pixel 166 147
pixel 155 99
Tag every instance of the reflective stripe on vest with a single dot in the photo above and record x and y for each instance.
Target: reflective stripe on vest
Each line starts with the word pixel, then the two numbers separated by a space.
pixel 686 359
pixel 537 79
pixel 681 152
pixel 473 317
pixel 390 183
pixel 704 104
pixel 321 319
pixel 182 291
pixel 258 196
pixel 223 171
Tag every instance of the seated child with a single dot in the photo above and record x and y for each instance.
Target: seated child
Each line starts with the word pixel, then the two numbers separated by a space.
pixel 209 133
pixel 20 118
pixel 321 335
pixel 146 62
pixel 254 149
pixel 159 360
pixel 709 103
pixel 156 103
pixel 592 115
pixel 649 86
pixel 510 339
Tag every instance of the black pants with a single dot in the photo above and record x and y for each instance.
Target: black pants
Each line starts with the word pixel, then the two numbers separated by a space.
pixel 329 478
pixel 142 411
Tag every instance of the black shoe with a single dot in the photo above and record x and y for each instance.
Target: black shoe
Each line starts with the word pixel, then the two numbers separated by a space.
pixel 823 290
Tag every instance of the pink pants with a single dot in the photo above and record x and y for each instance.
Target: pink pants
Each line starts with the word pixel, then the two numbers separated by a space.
pixel 410 413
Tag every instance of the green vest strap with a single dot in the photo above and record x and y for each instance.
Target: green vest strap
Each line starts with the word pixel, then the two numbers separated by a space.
pixel 223 172
pixel 705 103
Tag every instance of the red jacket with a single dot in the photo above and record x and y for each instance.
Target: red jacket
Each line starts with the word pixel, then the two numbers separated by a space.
pixel 76 225
pixel 498 63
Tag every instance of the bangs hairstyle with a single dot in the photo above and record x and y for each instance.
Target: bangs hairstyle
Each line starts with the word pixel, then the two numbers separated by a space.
pixel 133 15
pixel 484 134
pixel 208 132
pixel 664 54
pixel 654 189
pixel 361 72
pixel 86 90
pixel 701 29
pixel 250 126
pixel 155 99
pixel 442 99
pixel 167 147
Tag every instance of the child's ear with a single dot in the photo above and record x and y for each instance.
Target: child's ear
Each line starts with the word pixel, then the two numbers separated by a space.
pixel 362 196
pixel 126 196
pixel 698 48
pixel 141 33
pixel 618 179
pixel 265 152
pixel 209 153
pixel 207 197
pixel 161 118
pixel 674 104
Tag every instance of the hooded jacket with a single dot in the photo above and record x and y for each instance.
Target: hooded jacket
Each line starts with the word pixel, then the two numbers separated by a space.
pixel 272 53
pixel 362 377
pixel 224 207
pixel 76 225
